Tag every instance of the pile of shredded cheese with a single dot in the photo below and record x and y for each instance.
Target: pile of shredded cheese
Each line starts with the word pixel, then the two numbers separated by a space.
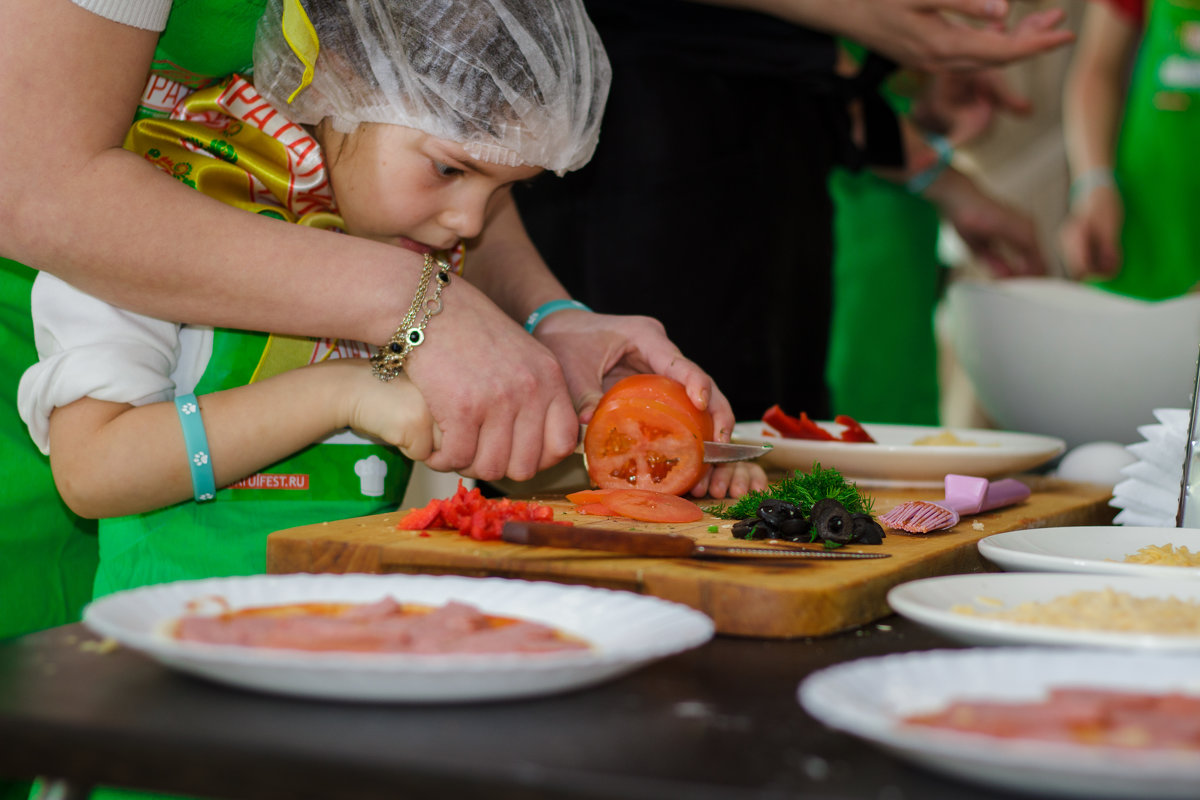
pixel 1106 610
pixel 1167 555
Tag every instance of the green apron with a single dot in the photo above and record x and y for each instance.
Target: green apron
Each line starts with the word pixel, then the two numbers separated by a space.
pixel 886 282
pixel 887 278
pixel 1157 168
pixel 48 555
pixel 228 535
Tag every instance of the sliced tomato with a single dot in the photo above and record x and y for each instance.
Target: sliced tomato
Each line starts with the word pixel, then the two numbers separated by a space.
pixel 650 506
pixel 663 390
pixel 640 443
pixel 595 510
pixel 585 496
pixel 800 427
pixel 853 432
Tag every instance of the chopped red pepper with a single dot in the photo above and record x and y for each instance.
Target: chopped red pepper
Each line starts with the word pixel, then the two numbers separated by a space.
pixel 472 514
pixel 854 432
pixel 802 427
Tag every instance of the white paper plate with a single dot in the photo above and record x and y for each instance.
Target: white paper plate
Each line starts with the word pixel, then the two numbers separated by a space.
pixel 626 631
pixel 929 602
pixel 895 461
pixel 1097 550
pixel 869 698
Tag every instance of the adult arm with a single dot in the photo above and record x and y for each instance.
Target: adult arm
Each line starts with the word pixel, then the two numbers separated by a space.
pixel 1000 235
pixel 1093 101
pixel 76 205
pixel 919 33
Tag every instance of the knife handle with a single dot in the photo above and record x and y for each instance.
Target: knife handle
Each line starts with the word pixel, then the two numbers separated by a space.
pixel 550 534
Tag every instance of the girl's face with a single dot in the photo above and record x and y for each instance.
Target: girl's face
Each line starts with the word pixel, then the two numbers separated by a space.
pixel 405 188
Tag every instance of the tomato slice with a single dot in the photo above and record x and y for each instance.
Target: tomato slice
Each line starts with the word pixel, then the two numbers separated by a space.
pixel 585 496
pixel 664 390
pixel 650 506
pixel 800 427
pixel 643 444
pixel 854 432
pixel 595 510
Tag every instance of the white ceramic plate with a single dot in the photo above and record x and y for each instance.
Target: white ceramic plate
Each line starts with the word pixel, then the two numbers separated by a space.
pixel 1099 549
pixel 895 461
pixel 869 698
pixel 626 631
pixel 929 602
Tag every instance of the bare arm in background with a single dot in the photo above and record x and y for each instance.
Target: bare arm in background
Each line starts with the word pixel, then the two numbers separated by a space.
pixel 1093 103
pixel 922 34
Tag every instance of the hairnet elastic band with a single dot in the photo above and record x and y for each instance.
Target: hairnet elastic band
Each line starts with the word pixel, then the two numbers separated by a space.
pixel 301 36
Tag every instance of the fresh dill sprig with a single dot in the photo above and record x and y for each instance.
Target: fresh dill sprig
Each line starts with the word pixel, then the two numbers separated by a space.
pixel 804 490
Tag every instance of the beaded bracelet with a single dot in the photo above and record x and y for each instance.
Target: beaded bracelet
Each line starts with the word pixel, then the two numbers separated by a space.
pixel 925 178
pixel 388 361
pixel 546 309
pixel 204 484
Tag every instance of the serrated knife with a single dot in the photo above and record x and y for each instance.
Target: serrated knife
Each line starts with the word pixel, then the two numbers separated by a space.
pixel 657 545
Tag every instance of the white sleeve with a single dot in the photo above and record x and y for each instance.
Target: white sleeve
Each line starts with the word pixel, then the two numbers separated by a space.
pixel 88 348
pixel 150 15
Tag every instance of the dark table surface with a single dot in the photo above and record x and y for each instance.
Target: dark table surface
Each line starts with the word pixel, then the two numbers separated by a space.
pixel 717 723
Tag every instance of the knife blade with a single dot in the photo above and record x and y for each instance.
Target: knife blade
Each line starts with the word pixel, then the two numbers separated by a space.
pixel 656 545
pixel 714 452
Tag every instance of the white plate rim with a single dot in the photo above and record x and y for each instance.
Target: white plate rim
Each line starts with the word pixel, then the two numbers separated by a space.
pixel 1011 551
pixel 894 460
pixel 915 601
pixel 867 698
pixel 669 628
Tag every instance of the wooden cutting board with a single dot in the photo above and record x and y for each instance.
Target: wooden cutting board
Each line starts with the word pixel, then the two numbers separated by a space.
pixel 760 599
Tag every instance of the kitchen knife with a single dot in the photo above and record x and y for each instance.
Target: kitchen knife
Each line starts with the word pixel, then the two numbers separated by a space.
pixel 664 545
pixel 714 452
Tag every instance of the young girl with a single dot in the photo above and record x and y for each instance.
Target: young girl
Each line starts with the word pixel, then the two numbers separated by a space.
pixel 383 120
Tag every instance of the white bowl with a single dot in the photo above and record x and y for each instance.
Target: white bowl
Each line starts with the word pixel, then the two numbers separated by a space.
pixel 1064 359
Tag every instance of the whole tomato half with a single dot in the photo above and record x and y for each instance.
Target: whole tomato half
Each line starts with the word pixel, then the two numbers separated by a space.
pixel 646 434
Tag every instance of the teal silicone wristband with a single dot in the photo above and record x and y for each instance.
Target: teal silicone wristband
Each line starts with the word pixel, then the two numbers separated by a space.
pixel 546 309
pixel 204 485
pixel 945 153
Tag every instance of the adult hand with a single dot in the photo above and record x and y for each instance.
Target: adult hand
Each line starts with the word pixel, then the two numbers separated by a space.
pixel 935 35
pixel 962 105
pixel 1090 237
pixel 1004 238
pixel 597 350
pixel 497 395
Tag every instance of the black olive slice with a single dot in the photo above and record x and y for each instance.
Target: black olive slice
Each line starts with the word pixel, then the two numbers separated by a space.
pixel 832 521
pixel 866 530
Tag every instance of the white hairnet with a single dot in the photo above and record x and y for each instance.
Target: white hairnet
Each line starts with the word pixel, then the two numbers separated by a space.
pixel 513 81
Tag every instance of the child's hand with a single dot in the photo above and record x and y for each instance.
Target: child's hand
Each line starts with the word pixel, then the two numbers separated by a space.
pixel 394 411
pixel 732 479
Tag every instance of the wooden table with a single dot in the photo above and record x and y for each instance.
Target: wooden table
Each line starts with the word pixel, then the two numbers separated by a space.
pixel 812 598
pixel 718 723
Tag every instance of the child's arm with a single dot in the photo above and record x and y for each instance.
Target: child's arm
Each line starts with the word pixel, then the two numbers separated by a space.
pixel 111 459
